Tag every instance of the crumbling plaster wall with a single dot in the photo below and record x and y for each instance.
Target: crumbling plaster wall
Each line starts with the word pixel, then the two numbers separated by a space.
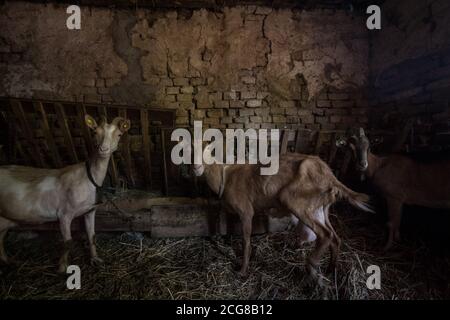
pixel 238 68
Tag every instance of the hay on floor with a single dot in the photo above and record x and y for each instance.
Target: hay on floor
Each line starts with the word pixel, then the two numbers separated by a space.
pixel 202 268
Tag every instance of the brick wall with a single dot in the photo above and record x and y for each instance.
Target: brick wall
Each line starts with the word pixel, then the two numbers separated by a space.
pixel 240 67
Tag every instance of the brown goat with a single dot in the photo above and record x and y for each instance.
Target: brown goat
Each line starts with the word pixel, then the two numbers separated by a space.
pixel 401 180
pixel 303 186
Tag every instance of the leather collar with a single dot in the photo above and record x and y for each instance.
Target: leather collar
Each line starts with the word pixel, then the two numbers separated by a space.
pixel 89 174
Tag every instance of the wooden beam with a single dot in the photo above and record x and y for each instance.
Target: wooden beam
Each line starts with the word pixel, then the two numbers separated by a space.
pixel 319 142
pixel 164 162
pixel 303 140
pixel 18 111
pixel 19 149
pixel 345 163
pixel 11 142
pixel 126 149
pixel 81 110
pixel 62 120
pixel 333 150
pixel 402 136
pixel 169 219
pixel 298 141
pixel 284 141
pixel 146 147
pixel 39 107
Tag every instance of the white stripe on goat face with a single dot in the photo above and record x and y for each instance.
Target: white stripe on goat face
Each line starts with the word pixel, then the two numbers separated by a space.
pixel 198 169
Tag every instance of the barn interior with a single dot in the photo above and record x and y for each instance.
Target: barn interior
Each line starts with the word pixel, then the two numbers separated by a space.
pixel 310 68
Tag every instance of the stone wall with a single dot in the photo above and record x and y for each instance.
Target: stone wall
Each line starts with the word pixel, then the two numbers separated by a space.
pixel 239 67
pixel 410 65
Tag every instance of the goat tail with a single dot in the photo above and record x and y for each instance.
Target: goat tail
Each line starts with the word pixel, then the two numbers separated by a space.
pixel 356 199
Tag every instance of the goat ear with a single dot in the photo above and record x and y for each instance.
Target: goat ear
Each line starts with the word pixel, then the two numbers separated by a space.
pixel 341 142
pixel 124 125
pixel 90 122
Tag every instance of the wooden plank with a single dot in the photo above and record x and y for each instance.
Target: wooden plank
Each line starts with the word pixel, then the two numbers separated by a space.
pixel 112 168
pixel 39 107
pixel 126 150
pixel 81 110
pixel 302 140
pixel 62 120
pixel 184 220
pixel 402 137
pixel 18 111
pixel 13 145
pixel 11 141
pixel 284 141
pixel 146 147
pixel 19 149
pixel 319 142
pixel 333 150
pixel 164 162
pixel 345 163
pixel 163 117
pixel 298 141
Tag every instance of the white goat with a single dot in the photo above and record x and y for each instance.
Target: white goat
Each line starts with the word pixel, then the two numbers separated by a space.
pixel 32 195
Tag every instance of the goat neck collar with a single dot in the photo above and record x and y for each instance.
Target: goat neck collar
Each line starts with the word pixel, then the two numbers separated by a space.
pixel 90 176
pixel 223 181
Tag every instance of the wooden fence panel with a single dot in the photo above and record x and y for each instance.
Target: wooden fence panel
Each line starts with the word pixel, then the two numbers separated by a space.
pixel 68 140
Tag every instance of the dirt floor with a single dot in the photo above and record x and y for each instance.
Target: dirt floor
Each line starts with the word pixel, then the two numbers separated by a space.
pixel 202 268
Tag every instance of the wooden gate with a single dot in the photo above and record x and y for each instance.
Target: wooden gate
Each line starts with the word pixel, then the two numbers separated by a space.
pixel 52 134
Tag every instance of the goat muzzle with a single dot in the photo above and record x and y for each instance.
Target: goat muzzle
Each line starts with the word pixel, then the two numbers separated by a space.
pixel 198 169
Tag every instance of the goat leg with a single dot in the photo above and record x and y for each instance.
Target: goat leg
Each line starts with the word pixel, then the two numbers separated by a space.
pixel 324 238
pixel 335 244
pixel 64 260
pixel 246 220
pixel 65 222
pixel 394 220
pixel 3 256
pixel 5 225
pixel 89 221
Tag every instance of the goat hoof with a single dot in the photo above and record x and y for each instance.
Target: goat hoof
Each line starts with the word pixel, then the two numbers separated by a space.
pixel 316 281
pixel 313 274
pixel 62 268
pixel 243 273
pixel 97 262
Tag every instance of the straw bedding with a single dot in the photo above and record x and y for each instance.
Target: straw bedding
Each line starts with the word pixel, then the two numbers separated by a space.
pixel 201 268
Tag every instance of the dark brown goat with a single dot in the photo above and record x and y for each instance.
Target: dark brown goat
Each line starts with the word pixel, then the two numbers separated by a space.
pixel 303 186
pixel 401 180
